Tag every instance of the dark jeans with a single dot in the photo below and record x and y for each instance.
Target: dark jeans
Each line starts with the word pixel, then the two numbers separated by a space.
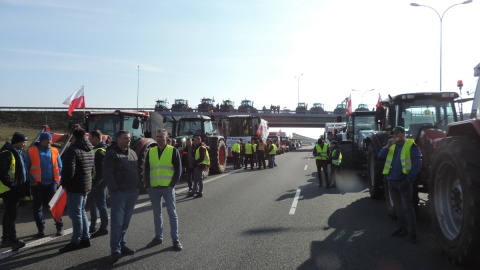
pixel 97 201
pixel 236 165
pixel 322 165
pixel 248 159
pixel 41 197
pixel 401 192
pixel 198 180
pixel 11 200
pixel 121 211
pixel 261 159
pixel 190 177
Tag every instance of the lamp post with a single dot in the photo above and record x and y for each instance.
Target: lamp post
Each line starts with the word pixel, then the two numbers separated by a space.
pixel 364 92
pixel 298 86
pixel 441 22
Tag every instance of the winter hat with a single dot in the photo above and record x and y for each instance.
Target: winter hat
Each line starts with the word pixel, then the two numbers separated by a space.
pixel 18 137
pixel 399 129
pixel 44 136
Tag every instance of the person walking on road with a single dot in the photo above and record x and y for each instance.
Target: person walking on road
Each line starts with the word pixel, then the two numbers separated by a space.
pixel 120 172
pixel 321 153
pixel 13 187
pixel 403 161
pixel 187 161
pixel 44 165
pixel 201 164
pixel 78 162
pixel 98 196
pixel 336 161
pixel 163 169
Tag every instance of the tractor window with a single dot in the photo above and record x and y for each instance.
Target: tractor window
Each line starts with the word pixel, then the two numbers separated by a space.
pixel 425 113
pixel 135 134
pixel 107 124
pixel 208 127
pixel 190 128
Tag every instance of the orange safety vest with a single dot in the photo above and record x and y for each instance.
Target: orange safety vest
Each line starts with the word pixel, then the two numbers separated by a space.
pixel 36 169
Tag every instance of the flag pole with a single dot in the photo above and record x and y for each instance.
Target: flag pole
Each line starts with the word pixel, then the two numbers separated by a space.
pixel 138 83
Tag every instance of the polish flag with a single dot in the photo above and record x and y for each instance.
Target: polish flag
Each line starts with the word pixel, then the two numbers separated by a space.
pixel 379 101
pixel 75 101
pixel 349 105
pixel 57 204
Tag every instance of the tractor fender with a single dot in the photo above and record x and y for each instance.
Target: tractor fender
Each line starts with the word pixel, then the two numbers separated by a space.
pixel 377 140
pixel 470 128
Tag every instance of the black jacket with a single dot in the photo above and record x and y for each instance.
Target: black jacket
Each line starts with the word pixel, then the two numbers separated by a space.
pixel 19 185
pixel 78 161
pixel 120 170
pixel 98 169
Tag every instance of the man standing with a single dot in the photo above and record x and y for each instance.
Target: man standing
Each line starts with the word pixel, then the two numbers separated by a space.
pixel 120 172
pixel 249 152
pixel 44 165
pixel 236 155
pixel 163 169
pixel 13 187
pixel 336 161
pixel 187 161
pixel 78 163
pixel 201 164
pixel 98 195
pixel 241 159
pixel 261 146
pixel 320 151
pixel 402 165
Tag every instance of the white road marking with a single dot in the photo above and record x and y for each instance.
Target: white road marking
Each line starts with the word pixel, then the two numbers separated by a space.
pixel 294 204
pixel 8 253
pixel 305 167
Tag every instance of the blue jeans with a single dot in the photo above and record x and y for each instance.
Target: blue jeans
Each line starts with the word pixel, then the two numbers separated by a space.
pixel 76 211
pixel 41 196
pixel 121 211
pixel 271 160
pixel 401 192
pixel 98 201
pixel 168 195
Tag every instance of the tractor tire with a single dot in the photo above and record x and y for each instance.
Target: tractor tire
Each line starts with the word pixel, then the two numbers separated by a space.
pixel 454 198
pixel 218 156
pixel 141 165
pixel 374 174
pixel 347 155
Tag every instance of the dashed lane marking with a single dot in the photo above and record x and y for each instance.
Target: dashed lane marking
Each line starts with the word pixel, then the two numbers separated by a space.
pixel 295 201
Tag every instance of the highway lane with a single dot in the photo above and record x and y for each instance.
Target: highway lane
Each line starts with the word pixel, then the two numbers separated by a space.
pixel 245 221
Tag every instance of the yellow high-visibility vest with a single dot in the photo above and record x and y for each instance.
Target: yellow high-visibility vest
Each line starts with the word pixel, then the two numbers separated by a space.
pixel 161 168
pixel 206 159
pixel 321 152
pixel 405 157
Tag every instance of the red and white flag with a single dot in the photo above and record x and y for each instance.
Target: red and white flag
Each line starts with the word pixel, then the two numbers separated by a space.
pixel 57 204
pixel 75 101
pixel 379 102
pixel 349 105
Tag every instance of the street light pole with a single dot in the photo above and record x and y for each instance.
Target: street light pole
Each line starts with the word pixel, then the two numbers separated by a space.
pixel 441 22
pixel 298 86
pixel 364 92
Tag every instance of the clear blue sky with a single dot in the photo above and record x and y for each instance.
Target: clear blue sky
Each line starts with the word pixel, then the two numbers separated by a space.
pixel 231 49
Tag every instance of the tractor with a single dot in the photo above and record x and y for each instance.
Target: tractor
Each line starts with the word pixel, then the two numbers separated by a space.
pixel 227 106
pixel 181 105
pixel 246 106
pixel 301 108
pixel 206 105
pixel 317 108
pixel 190 126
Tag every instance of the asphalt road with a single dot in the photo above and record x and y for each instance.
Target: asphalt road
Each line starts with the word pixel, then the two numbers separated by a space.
pixel 251 219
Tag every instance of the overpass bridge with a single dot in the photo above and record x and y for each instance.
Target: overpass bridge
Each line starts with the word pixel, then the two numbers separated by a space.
pixel 288 120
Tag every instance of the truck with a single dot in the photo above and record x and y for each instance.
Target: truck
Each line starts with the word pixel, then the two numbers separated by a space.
pixel 245 127
pixel 189 126
pixel 110 122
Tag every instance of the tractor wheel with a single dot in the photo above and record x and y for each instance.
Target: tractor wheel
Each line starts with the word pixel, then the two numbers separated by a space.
pixel 141 165
pixel 454 198
pixel 218 156
pixel 374 173
pixel 347 155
